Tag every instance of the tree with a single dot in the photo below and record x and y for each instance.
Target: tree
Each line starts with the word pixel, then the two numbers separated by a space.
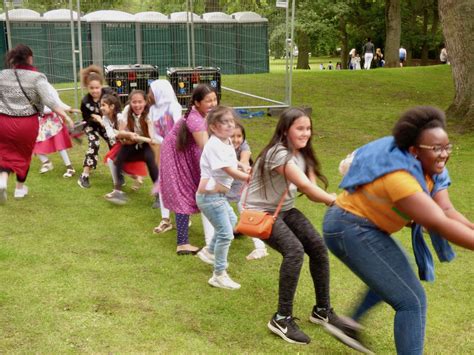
pixel 458 28
pixel 393 31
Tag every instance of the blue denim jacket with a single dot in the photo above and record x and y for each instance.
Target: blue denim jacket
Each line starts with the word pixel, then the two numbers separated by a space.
pixel 381 157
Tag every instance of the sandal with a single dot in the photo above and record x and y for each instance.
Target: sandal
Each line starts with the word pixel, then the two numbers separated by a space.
pixel 137 183
pixel 164 226
pixel 188 251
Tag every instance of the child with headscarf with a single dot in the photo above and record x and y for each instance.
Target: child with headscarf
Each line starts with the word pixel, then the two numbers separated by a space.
pixel 165 110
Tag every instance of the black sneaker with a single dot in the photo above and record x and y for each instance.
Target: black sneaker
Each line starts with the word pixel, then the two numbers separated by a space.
pixel 83 182
pixel 344 329
pixel 288 330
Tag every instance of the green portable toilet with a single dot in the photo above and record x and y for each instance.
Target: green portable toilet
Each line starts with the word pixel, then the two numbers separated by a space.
pixel 26 27
pixel 221 32
pixel 178 23
pixel 155 39
pixel 58 30
pixel 113 37
pixel 3 41
pixel 252 44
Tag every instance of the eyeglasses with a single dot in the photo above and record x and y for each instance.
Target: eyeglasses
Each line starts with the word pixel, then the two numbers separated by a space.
pixel 448 148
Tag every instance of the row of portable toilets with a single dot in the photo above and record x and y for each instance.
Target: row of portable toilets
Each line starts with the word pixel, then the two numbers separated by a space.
pixel 236 43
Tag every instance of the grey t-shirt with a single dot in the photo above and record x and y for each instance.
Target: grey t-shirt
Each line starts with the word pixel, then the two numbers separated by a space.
pixel 267 199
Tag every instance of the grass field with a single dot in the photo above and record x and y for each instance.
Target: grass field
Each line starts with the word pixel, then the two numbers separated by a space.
pixel 80 275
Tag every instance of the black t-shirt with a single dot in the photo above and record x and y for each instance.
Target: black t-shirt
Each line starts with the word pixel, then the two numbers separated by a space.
pixel 89 107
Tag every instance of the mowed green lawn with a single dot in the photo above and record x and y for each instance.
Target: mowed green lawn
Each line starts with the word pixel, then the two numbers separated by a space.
pixel 78 274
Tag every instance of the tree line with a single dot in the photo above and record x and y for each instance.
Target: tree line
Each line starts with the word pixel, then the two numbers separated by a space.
pixel 329 27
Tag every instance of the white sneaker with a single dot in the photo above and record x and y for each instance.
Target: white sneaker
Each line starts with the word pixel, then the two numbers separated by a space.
pixel 258 253
pixel 223 281
pixel 206 256
pixel 48 166
pixel 69 173
pixel 20 193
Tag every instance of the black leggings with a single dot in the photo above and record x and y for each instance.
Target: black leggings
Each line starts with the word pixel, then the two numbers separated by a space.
pixel 292 236
pixel 20 179
pixel 135 152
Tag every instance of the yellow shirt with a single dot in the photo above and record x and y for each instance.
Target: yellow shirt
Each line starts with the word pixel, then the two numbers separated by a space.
pixel 376 200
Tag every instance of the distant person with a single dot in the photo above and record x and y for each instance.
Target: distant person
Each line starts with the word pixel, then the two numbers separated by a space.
pixel 368 51
pixel 321 66
pixel 443 56
pixel 356 62
pixel 402 53
pixel 338 66
pixel 379 61
pixel 352 54
pixel 330 66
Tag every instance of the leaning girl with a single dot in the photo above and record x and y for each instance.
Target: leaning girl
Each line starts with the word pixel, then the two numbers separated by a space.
pixel 93 80
pixel 136 125
pixel 285 166
pixel 110 108
pixel 242 149
pixel 219 167
pixel 179 164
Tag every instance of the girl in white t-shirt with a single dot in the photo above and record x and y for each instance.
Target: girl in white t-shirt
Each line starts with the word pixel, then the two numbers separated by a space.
pixel 219 167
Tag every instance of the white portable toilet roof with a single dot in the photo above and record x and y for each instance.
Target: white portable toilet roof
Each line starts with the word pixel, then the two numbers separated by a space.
pixel 217 17
pixel 151 16
pixel 248 16
pixel 23 15
pixel 60 15
pixel 182 17
pixel 109 16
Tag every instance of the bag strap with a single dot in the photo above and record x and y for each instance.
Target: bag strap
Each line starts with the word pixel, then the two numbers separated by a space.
pixel 24 92
pixel 280 203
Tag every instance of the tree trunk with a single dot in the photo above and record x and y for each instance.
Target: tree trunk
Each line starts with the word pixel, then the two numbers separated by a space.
pixel 424 46
pixel 345 41
pixel 458 29
pixel 393 32
pixel 304 47
pixel 212 6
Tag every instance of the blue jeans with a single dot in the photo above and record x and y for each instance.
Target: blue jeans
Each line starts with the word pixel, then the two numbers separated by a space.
pixel 376 258
pixel 222 217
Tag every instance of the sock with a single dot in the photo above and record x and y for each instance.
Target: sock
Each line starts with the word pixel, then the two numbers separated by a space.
pixel 85 174
pixel 43 158
pixel 65 156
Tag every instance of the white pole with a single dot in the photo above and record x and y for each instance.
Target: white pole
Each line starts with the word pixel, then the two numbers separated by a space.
pixel 193 48
pixel 79 38
pixel 73 51
pixel 287 74
pixel 188 41
pixel 7 20
pixel 291 49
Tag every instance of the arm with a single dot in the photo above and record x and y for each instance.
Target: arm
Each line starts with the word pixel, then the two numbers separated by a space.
pixel 235 173
pixel 201 138
pixel 294 175
pixel 426 212
pixel 443 201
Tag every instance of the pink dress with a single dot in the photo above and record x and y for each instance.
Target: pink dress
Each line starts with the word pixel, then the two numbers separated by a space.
pixel 53 135
pixel 179 170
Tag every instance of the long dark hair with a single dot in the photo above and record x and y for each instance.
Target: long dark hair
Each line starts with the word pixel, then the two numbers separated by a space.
pixel 112 99
pixel 18 56
pixel 287 118
pixel 244 136
pixel 199 93
pixel 143 116
pixel 413 122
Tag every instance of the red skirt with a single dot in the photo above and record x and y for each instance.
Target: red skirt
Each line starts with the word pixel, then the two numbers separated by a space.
pixel 54 144
pixel 17 140
pixel 137 168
